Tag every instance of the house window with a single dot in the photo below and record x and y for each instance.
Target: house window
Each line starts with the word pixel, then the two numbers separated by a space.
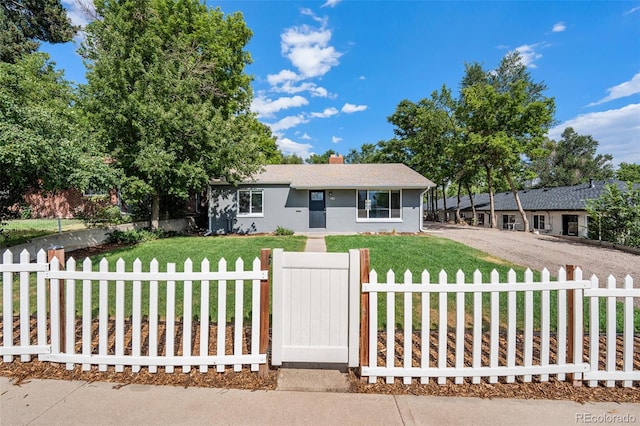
pixel 538 221
pixel 508 221
pixel 250 202
pixel 379 205
pixel 480 219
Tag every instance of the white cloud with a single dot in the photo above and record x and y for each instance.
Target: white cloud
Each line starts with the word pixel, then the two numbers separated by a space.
pixel 288 122
pixel 306 137
pixel 622 90
pixel 350 108
pixel 632 10
pixel 335 139
pixel 331 3
pixel 308 49
pixel 288 146
pixel 312 88
pixel 328 112
pixel 616 130
pixel 529 54
pixel 281 77
pixel 267 107
pixel 559 27
pixel 81 12
pixel 362 77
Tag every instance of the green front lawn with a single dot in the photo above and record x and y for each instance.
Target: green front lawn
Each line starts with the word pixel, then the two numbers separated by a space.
pixel 22 230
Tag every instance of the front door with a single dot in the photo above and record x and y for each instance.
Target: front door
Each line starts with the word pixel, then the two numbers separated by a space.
pixel 570 224
pixel 317 214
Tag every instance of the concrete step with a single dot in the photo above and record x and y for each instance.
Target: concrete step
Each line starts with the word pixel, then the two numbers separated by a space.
pixel 312 380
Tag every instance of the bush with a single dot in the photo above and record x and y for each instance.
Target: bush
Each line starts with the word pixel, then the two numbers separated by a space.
pixel 102 216
pixel 282 232
pixel 135 236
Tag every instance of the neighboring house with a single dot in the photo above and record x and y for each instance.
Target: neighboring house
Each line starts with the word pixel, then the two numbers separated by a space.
pixel 558 211
pixel 332 197
pixel 66 204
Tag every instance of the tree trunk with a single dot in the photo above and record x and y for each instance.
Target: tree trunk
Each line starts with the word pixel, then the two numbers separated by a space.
pixel 473 205
pixel 154 222
pixel 492 209
pixel 444 202
pixel 525 221
pixel 434 196
pixel 458 218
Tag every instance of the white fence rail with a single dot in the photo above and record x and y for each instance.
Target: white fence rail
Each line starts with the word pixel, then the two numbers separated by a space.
pixel 474 340
pixel 129 338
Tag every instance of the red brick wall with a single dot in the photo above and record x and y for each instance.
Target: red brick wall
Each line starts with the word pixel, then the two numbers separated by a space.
pixel 65 204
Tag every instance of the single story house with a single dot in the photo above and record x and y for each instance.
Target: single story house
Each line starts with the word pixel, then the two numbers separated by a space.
pixel 334 197
pixel 559 211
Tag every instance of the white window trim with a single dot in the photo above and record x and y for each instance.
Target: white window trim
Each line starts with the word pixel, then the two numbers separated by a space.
pixel 544 219
pixel 251 191
pixel 377 219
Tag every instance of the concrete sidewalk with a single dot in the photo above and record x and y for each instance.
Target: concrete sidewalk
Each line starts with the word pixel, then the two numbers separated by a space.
pixel 80 403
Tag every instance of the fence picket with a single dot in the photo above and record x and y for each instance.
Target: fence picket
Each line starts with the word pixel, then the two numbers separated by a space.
pixel 460 329
pixel 187 315
pixel 408 326
pixel 239 313
pixel 204 315
pixel 255 314
pixel 7 305
pixel 87 314
pixel 442 328
pixel 425 331
pixel 41 301
pixel 70 326
pixel 391 323
pixel 153 316
pixel 103 314
pixel 170 318
pixel 578 321
pixel 54 307
pixel 528 324
pixel 119 315
pixel 562 324
pixel 611 330
pixel 477 325
pixel 628 331
pixel 25 318
pixel 495 326
pixel 545 325
pixel 511 325
pixel 373 329
pixel 594 331
pixel 222 313
pixel 136 315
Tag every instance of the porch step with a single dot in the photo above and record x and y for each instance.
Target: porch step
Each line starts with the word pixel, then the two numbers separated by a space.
pixel 307 380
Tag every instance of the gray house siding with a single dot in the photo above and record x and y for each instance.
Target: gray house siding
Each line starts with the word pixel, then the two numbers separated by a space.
pixel 288 207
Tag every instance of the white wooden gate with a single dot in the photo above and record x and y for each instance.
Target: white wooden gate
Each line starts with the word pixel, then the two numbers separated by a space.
pixel 316 307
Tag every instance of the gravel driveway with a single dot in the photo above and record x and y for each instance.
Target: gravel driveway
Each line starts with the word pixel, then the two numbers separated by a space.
pixel 545 251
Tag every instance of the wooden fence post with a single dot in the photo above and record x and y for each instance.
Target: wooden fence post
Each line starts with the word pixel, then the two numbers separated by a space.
pixel 364 310
pixel 570 320
pixel 265 255
pixel 58 253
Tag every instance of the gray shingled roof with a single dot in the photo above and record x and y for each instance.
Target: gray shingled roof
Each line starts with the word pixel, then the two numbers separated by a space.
pixel 341 176
pixel 559 198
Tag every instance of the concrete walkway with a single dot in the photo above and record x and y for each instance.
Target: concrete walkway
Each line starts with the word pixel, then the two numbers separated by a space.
pixel 315 242
pixel 52 402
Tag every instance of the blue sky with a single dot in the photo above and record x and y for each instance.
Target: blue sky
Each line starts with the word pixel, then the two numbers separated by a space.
pixel 328 74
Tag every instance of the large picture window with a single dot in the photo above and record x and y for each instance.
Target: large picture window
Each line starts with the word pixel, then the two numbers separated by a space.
pixel 250 202
pixel 379 205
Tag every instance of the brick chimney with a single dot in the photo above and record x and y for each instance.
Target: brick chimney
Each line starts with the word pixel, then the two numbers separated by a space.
pixel 336 159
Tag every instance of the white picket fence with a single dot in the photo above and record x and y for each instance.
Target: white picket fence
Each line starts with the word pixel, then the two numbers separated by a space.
pixel 159 347
pixel 421 357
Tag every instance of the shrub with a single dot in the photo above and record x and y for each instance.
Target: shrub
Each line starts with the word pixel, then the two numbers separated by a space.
pixel 135 236
pixel 102 216
pixel 280 231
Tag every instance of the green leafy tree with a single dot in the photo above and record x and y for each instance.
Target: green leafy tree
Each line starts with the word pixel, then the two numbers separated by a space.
pixel 291 159
pixel 615 216
pixel 572 160
pixel 368 153
pixel 168 95
pixel 320 158
pixel 505 117
pixel 42 143
pixel 24 23
pixel 628 172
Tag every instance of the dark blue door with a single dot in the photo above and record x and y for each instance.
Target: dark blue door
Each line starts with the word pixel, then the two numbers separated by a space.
pixel 317 216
